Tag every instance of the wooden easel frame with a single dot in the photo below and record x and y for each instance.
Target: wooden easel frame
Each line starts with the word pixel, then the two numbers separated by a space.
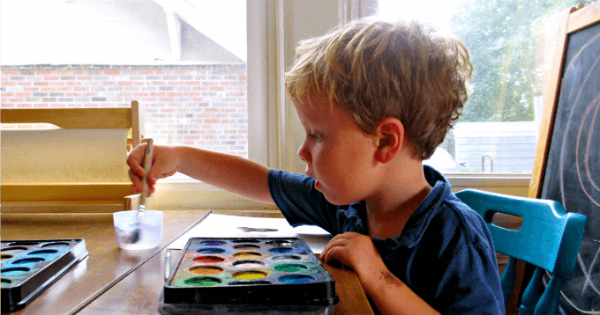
pixel 74 197
pixel 572 20
pixel 81 118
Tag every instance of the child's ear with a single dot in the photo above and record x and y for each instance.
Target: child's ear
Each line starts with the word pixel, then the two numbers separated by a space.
pixel 390 133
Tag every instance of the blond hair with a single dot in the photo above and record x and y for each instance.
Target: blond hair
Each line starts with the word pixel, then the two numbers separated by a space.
pixel 376 69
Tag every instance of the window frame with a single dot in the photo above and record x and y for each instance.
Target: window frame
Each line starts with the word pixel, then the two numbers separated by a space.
pixel 275 132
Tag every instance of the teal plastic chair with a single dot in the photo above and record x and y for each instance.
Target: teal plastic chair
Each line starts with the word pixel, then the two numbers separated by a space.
pixel 549 238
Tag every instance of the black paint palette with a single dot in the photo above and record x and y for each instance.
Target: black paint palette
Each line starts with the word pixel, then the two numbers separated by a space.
pixel 29 267
pixel 250 271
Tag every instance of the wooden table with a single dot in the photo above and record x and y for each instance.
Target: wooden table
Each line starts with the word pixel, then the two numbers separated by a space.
pixel 114 281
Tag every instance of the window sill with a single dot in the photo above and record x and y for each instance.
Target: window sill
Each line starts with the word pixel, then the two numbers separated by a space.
pixel 188 194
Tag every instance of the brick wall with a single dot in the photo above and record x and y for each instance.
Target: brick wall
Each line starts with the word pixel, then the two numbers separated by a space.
pixel 198 105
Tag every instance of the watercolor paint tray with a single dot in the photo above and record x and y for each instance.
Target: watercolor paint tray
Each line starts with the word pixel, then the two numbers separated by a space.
pixel 31 266
pixel 249 271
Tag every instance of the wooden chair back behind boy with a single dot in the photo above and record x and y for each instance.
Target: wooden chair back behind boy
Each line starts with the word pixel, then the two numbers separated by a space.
pixel 78 167
pixel 548 238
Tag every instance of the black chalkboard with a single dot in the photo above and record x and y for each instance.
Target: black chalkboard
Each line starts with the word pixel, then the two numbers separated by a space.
pixel 572 166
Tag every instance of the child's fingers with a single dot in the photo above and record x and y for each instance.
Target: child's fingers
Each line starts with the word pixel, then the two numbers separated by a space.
pixel 334 254
pixel 136 170
pixel 336 243
pixel 135 160
pixel 136 180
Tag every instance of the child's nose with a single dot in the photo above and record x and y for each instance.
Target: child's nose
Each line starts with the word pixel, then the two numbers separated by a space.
pixel 303 153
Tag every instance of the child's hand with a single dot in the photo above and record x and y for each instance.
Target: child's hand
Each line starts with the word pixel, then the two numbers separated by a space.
pixel 354 250
pixel 164 164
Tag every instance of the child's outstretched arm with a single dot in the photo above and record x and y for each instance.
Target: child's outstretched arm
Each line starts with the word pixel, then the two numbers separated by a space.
pixel 389 293
pixel 232 173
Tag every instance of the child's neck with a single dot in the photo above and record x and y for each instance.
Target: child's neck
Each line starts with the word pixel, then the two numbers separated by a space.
pixel 388 212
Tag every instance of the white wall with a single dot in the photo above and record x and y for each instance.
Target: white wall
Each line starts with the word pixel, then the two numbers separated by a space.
pixel 125 34
pixel 510 145
pixel 95 32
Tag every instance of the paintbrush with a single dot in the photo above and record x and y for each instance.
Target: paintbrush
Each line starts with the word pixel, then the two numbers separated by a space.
pixel 134 235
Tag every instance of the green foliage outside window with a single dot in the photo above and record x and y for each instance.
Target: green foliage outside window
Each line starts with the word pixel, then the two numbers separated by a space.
pixel 501 35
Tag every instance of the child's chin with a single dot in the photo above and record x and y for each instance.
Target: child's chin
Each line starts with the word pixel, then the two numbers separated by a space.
pixel 333 199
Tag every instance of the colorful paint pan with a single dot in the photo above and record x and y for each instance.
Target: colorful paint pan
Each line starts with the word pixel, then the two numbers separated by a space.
pixel 257 271
pixel 30 267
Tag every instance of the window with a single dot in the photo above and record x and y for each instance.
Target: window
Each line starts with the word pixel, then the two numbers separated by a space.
pixel 512 46
pixel 189 63
pixel 185 61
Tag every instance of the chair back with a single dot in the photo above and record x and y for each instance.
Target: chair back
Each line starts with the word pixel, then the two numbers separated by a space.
pixel 549 238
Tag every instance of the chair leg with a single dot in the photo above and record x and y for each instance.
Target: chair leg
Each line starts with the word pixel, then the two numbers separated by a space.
pixel 508 279
pixel 548 303
pixel 532 293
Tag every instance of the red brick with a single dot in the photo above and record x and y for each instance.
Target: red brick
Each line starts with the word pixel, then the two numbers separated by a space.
pixel 176 83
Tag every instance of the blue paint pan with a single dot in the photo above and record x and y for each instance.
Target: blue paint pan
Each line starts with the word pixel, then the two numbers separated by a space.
pixel 30 267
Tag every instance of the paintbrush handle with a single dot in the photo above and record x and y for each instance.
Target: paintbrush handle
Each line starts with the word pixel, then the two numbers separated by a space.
pixel 147 166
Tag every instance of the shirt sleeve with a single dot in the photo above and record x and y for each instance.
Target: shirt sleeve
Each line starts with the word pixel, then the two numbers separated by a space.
pixel 300 202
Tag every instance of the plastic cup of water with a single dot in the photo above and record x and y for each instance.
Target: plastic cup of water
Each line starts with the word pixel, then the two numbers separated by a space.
pixel 150 229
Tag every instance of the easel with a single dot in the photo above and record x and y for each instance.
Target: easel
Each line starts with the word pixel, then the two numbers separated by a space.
pixel 559 155
pixel 49 196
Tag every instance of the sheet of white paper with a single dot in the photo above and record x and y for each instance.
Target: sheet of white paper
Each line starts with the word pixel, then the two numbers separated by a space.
pixel 216 225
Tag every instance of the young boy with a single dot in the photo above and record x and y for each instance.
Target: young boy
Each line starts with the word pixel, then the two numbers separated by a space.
pixel 375 100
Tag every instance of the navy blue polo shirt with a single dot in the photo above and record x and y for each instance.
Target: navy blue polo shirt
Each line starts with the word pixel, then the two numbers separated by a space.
pixel 445 253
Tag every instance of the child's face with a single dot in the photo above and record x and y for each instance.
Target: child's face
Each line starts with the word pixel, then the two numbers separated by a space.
pixel 337 152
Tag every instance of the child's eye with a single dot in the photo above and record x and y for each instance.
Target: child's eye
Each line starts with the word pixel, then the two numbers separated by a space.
pixel 317 137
